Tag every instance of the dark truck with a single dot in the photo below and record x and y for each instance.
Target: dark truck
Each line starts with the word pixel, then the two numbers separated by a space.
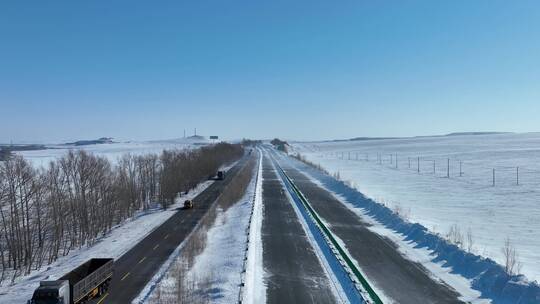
pixel 85 282
pixel 220 175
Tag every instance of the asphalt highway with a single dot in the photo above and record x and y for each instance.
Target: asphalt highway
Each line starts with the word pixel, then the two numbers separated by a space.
pixel 293 271
pixel 400 279
pixel 136 267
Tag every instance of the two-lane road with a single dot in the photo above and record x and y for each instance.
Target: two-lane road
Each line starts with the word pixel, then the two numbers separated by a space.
pixel 136 267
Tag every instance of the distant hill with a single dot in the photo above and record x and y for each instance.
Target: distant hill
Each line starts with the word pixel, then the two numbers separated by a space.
pixel 22 147
pixel 190 140
pixel 369 138
pixel 102 140
pixel 475 133
pixel 196 137
pixel 365 138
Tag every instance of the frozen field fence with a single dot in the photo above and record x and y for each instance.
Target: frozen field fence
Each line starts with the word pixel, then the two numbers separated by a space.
pixel 462 170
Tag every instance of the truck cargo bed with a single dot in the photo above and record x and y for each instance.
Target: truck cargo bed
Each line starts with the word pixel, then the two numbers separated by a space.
pixel 88 276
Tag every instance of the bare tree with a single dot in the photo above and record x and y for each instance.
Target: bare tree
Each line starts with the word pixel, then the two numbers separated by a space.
pixel 47 213
pixel 470 240
pixel 512 265
pixel 455 236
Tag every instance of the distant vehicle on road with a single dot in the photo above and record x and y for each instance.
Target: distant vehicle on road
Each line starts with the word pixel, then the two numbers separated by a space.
pixel 188 204
pixel 88 281
pixel 218 176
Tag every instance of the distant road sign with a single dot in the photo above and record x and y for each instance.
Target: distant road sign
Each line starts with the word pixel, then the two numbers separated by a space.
pixel 213 137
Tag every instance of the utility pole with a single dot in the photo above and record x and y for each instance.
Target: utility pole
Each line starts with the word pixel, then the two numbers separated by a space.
pixel 448 168
pixel 418 164
pixel 460 171
pixel 517 176
pixel 493 177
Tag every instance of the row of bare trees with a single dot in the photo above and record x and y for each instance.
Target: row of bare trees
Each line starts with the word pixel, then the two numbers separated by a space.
pixel 46 213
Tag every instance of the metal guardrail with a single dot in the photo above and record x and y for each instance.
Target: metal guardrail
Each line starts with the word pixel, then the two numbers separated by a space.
pixel 248 230
pixel 341 253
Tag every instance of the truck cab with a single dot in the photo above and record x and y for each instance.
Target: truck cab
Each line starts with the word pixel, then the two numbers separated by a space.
pixel 51 292
pixel 90 280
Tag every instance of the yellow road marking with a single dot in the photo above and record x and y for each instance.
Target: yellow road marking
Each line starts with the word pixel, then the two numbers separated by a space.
pixel 155 247
pixel 142 260
pixel 166 236
pixel 103 298
pixel 125 276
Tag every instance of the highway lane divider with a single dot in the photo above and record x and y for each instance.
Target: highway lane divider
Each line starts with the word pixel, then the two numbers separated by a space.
pixel 360 282
pixel 250 227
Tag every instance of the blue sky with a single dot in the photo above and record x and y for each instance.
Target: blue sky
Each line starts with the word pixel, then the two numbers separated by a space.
pixel 259 69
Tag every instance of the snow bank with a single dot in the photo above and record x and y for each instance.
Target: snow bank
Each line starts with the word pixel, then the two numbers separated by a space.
pixel 438 202
pixel 255 289
pixel 486 276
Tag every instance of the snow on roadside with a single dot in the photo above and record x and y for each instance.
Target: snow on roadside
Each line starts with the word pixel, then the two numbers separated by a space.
pixel 113 245
pixel 474 277
pixel 255 289
pixel 466 200
pixel 216 271
pixel 424 257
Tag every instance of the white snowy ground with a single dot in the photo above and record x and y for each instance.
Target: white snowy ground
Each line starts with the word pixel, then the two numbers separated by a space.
pixel 222 260
pixel 437 202
pixel 122 238
pixel 111 151
pixel 255 289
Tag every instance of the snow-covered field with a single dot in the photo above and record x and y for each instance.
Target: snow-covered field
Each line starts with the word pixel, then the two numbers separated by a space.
pixel 510 209
pixel 115 244
pixel 112 151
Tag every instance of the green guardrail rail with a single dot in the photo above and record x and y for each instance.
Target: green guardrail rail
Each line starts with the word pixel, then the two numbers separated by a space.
pixel 365 284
